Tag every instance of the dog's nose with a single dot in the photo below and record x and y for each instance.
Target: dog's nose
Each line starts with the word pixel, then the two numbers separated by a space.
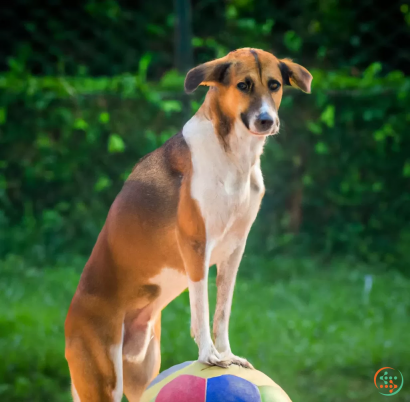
pixel 264 122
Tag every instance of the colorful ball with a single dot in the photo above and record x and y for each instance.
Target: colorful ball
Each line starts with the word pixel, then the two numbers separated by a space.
pixel 197 382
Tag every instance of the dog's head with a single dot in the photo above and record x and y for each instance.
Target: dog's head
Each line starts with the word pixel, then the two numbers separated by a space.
pixel 248 86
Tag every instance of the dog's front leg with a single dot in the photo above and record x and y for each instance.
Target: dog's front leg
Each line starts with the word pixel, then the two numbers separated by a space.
pixel 196 254
pixel 197 267
pixel 225 283
pixel 198 296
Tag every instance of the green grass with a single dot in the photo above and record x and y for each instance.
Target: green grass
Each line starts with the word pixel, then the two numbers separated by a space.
pixel 309 327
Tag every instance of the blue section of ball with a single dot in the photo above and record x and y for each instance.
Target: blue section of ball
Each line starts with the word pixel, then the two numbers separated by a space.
pixel 229 388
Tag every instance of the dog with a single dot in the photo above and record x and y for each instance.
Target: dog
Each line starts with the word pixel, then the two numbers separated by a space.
pixel 185 206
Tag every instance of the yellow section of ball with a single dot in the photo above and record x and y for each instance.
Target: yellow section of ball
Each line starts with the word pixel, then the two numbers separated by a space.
pixel 271 392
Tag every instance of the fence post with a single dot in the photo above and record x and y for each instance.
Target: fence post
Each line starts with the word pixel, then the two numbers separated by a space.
pixel 183 44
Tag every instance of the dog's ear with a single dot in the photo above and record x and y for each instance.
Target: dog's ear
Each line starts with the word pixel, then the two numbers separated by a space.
pixel 295 75
pixel 210 73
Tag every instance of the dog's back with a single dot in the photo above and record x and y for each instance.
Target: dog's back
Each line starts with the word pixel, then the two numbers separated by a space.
pixel 124 277
pixel 138 238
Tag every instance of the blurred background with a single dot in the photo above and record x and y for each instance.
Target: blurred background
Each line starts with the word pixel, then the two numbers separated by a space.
pixel 88 87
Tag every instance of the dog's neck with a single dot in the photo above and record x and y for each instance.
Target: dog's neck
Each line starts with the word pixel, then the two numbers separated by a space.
pixel 235 141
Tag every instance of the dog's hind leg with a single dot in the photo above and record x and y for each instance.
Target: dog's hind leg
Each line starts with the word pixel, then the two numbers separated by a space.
pixel 93 351
pixel 141 356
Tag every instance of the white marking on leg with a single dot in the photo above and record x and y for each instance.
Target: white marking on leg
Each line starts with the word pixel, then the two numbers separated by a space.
pixel 140 356
pixel 76 397
pixel 198 296
pixel 227 272
pixel 116 357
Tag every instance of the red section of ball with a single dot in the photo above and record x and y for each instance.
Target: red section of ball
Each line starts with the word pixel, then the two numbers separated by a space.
pixel 185 388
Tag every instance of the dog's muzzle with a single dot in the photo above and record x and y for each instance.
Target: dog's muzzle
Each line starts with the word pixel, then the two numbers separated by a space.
pixel 265 124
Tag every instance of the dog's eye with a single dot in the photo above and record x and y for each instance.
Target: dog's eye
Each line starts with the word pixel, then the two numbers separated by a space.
pixel 242 86
pixel 273 85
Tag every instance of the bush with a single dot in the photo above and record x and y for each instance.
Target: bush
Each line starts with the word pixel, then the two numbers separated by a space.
pixel 336 176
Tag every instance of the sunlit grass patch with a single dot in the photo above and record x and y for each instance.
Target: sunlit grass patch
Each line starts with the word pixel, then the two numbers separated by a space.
pixel 317 332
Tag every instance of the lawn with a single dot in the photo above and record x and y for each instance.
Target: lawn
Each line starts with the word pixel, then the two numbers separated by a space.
pixel 320 331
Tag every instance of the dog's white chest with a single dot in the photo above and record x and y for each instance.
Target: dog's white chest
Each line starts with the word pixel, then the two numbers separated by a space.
pixel 222 196
pixel 221 182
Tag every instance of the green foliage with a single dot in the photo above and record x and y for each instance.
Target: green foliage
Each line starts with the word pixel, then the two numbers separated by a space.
pixel 337 175
pixel 328 34
pixel 339 170
pixel 66 147
pixel 315 344
pixel 115 144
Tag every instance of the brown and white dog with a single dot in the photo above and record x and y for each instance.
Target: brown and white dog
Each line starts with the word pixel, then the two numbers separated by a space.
pixel 186 206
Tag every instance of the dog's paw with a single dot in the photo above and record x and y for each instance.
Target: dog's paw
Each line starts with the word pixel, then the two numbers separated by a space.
pixel 211 357
pixel 229 359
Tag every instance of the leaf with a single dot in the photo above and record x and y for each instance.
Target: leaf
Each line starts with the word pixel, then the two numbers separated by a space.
pixel 379 135
pixel 231 12
pixel 104 117
pixel 115 144
pixel 314 127
pixel 43 141
pixel 328 116
pixel 292 41
pixel 267 26
pixel 246 23
pixel 172 80
pixel 386 131
pixel 321 148
pixel 197 42
pixel 144 62
pixel 370 73
pixel 195 106
pixel 80 124
pixel 170 106
pixel 102 183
